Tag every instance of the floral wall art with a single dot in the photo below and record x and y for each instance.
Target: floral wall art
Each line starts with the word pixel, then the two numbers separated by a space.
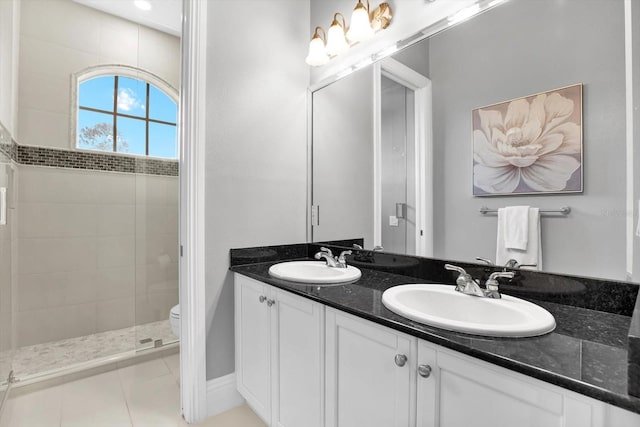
pixel 529 145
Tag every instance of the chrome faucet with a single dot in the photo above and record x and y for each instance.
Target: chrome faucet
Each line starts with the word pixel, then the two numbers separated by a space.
pixel 492 283
pixel 464 282
pixel 467 285
pixel 512 263
pixel 327 255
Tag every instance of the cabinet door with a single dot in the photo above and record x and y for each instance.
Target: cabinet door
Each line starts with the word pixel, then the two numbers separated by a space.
pixel 475 393
pixel 252 344
pixel 427 389
pixel 365 386
pixel 297 337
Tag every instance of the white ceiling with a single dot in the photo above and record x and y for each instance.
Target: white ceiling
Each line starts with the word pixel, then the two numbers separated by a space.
pixel 165 15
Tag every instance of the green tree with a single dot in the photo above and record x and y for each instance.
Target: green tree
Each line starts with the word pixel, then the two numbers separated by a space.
pixel 100 137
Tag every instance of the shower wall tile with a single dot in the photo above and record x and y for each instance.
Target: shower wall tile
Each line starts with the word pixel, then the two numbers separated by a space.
pixel 93 243
pixel 158 52
pixel 39 220
pixel 49 255
pixel 52 324
pixel 116 220
pixel 52 185
pixel 53 24
pixel 115 314
pixel 152 189
pixel 57 289
pixel 116 282
pixel 119 42
pixel 151 307
pixel 36 126
pixel 46 93
pixel 116 251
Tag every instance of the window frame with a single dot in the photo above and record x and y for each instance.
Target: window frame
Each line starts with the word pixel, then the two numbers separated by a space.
pixel 120 71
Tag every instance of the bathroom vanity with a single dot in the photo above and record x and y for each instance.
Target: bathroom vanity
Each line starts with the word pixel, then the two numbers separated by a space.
pixel 309 355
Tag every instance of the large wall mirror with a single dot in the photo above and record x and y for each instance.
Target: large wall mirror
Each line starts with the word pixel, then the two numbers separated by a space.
pixel 392 156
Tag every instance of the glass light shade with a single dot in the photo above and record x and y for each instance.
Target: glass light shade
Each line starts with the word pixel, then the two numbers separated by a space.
pixel 317 55
pixel 360 29
pixel 336 41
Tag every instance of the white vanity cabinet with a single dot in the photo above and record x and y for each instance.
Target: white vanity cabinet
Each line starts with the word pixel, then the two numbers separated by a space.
pixel 462 391
pixel 370 381
pixel 301 364
pixel 279 354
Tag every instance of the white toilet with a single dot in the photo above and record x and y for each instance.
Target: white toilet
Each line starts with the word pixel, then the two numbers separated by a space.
pixel 174 320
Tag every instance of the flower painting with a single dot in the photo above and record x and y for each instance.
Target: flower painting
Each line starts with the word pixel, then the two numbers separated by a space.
pixel 529 145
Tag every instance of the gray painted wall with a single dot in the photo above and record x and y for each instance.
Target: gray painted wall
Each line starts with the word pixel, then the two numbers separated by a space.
pixel 343 158
pixel 256 145
pixel 521 48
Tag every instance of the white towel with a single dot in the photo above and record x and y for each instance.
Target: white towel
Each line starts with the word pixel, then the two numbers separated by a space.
pixel 533 252
pixel 515 226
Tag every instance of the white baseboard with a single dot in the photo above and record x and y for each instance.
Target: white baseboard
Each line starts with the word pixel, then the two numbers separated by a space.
pixel 222 395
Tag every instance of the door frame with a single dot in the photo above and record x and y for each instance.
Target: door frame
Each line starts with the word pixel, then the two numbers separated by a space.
pixel 192 131
pixel 422 88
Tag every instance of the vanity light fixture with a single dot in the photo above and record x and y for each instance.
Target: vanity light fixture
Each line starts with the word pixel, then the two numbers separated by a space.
pixel 317 53
pixel 142 4
pixel 360 29
pixel 336 40
pixel 340 37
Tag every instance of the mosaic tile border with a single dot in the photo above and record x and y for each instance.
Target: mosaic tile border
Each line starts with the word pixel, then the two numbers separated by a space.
pixel 55 157
pixel 44 156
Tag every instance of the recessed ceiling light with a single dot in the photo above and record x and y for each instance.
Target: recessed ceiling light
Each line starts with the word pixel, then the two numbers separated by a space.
pixel 142 4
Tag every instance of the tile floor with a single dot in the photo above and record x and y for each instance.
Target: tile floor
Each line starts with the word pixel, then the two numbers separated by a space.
pixel 142 395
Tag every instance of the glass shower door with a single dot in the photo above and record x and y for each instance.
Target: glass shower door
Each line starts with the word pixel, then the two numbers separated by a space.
pixel 156 283
pixel 6 243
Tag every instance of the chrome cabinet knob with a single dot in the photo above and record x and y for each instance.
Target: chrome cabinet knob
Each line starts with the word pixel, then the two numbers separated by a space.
pixel 400 360
pixel 424 371
pixel 270 302
pixel 262 298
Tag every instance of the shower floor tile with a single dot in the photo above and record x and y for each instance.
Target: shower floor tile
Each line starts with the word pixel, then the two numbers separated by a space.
pixel 52 356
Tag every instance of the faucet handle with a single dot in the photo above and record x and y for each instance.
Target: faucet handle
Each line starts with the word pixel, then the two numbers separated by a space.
pixel 485 260
pixel 463 279
pixel 341 258
pixel 357 246
pixel 326 251
pixel 455 268
pixel 505 274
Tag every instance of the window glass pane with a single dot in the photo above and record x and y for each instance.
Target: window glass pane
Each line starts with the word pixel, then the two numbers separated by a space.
pixel 95 131
pixel 132 96
pixel 163 141
pixel 161 107
pixel 97 93
pixel 131 136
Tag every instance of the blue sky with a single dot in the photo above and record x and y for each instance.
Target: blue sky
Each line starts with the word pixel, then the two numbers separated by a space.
pixel 99 93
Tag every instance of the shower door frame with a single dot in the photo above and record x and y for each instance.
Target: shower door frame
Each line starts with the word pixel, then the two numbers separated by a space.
pixel 421 86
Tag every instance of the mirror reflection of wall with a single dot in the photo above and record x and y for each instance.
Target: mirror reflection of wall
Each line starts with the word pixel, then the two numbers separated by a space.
pixel 343 158
pixel 518 49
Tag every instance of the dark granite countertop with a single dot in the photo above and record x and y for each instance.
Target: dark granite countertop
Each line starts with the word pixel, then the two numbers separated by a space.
pixel 587 353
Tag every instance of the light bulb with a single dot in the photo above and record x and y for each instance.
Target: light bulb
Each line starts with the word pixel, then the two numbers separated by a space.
pixel 336 41
pixel 317 54
pixel 360 29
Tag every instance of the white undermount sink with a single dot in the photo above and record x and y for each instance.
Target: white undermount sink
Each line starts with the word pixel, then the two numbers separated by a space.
pixel 443 307
pixel 316 272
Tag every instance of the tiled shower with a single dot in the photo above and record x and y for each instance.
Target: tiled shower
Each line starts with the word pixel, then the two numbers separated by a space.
pixel 89 252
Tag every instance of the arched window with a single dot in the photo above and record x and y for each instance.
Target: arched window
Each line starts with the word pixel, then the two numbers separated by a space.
pixel 125 110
